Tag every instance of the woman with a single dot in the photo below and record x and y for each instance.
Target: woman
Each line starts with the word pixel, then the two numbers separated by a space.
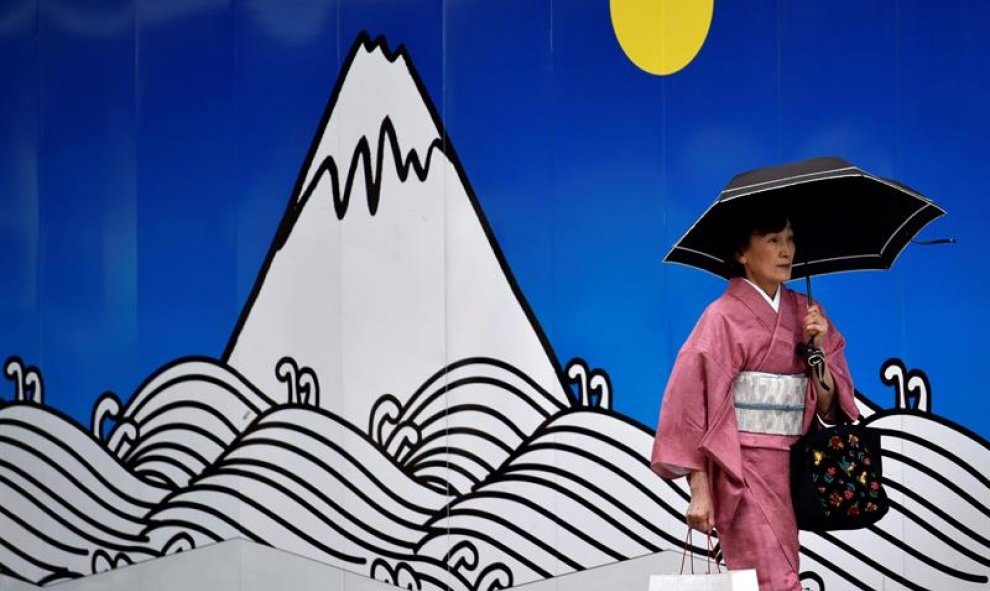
pixel 739 396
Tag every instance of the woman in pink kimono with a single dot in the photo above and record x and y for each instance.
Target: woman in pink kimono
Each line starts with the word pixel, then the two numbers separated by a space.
pixel 738 397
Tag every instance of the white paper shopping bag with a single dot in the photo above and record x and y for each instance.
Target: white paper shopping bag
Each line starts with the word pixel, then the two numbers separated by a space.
pixel 737 580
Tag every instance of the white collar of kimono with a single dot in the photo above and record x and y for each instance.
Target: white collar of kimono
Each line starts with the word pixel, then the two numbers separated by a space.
pixel 774 301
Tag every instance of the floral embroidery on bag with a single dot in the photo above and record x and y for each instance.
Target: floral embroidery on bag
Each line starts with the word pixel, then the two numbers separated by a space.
pixel 848 483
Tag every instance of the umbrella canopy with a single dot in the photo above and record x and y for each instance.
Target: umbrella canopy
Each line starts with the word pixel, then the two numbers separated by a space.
pixel 844 218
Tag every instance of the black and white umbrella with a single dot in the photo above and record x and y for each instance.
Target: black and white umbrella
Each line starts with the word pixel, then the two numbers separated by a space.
pixel 845 219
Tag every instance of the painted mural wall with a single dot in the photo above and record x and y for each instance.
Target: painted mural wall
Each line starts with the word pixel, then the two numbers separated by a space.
pixel 380 283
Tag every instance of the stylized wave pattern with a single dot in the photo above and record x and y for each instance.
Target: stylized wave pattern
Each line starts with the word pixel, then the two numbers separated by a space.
pixel 184 417
pixel 576 482
pixel 72 507
pixel 463 422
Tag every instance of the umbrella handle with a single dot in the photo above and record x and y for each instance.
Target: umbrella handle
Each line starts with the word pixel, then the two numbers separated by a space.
pixel 807 283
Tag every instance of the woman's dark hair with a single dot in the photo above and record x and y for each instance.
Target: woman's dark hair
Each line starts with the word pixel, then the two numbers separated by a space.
pixel 754 221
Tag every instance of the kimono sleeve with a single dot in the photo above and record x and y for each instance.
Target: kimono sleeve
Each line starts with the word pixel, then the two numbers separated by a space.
pixel 684 413
pixel 835 359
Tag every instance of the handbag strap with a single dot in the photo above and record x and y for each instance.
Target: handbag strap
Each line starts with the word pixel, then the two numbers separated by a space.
pixel 688 547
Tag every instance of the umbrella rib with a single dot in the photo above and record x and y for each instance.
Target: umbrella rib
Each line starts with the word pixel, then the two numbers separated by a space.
pixel 901 227
pixel 704 254
pixel 709 271
pixel 776 187
pixel 907 190
pixel 833 259
pixel 797 176
pixel 685 235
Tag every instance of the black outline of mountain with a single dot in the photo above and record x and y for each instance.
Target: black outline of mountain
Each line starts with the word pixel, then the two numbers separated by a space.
pixel 300 194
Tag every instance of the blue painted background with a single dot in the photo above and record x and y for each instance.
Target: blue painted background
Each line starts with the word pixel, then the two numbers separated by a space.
pixel 148 149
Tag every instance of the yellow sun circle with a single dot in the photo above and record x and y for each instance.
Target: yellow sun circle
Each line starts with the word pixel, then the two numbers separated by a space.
pixel 661 36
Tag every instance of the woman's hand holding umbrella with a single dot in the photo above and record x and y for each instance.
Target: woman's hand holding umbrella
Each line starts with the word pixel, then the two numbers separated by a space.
pixel 815 329
pixel 815 326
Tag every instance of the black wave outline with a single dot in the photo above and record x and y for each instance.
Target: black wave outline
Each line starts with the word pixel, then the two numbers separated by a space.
pixel 515 498
pixel 603 515
pixel 134 407
pixel 961 429
pixel 965 530
pixel 471 407
pixel 58 467
pixel 359 493
pixel 147 468
pixel 447 388
pixel 518 530
pixel 835 569
pixel 939 478
pixel 614 415
pixel 71 423
pixel 82 534
pixel 57 577
pixel 140 450
pixel 54 570
pixel 480 360
pixel 265 420
pixel 446 465
pixel 297 202
pixel 182 405
pixel 81 461
pixel 875 565
pixel 812 576
pixel 288 526
pixel 155 454
pixel 159 446
pixel 477 535
pixel 342 529
pixel 420 576
pixel 549 426
pixel 938 533
pixel 157 524
pixel 530 445
pixel 922 557
pixel 98 429
pixel 450 452
pixel 64 503
pixel 510 466
pixel 196 506
pixel 413 456
pixel 938 450
pixel 600 461
pixel 37 533
pixel 436 483
pixel 513 474
pixel 450 410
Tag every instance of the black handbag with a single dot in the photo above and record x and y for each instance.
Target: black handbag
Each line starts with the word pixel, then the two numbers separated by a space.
pixel 836 478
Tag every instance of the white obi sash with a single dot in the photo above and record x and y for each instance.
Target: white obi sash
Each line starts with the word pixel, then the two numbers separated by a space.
pixel 769 403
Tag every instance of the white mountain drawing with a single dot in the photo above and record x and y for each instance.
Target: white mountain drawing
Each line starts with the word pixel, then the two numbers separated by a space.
pixel 378 276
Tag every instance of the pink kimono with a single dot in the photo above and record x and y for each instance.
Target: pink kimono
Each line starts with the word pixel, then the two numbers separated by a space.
pixel 748 472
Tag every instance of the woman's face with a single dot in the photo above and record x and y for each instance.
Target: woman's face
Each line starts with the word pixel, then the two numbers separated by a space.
pixel 768 259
